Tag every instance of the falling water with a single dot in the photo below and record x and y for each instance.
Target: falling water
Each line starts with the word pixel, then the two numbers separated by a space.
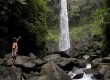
pixel 64 42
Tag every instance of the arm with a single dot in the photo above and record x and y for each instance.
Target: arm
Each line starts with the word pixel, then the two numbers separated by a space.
pixel 18 38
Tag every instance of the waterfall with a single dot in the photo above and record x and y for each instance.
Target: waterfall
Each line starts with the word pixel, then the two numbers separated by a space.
pixel 64 40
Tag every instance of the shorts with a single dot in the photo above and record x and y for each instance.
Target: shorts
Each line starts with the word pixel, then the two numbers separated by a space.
pixel 14 56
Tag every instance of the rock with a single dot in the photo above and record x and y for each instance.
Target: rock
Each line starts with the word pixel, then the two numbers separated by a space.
pixel 65 53
pixel 7 73
pixel 106 60
pixel 31 75
pixel 8 56
pixel 77 70
pixel 97 75
pixel 25 61
pixel 102 69
pixel 32 56
pixel 78 76
pixel 92 57
pixel 107 75
pixel 33 78
pixel 43 78
pixel 96 63
pixel 67 63
pixel 64 63
pixel 53 72
pixel 51 57
pixel 81 63
pixel 1 61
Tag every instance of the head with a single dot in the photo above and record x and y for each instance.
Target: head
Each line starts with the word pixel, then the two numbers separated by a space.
pixel 14 39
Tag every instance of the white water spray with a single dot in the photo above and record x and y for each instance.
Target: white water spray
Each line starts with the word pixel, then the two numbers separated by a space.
pixel 64 40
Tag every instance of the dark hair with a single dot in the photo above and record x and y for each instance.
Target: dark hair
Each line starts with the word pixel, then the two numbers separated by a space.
pixel 14 39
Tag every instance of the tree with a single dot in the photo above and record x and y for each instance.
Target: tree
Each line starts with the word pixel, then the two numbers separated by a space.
pixel 28 19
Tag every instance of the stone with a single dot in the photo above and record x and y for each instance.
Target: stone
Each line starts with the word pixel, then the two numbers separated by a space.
pixel 53 72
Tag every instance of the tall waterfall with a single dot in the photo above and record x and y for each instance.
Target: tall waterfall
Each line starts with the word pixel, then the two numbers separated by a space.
pixel 64 40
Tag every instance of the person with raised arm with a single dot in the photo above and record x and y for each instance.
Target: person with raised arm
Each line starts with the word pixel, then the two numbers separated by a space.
pixel 14 50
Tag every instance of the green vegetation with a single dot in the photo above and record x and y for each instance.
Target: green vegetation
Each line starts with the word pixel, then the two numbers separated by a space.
pixel 79 32
pixel 53 36
pixel 25 18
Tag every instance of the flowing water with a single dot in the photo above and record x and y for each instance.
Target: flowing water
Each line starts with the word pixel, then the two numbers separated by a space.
pixel 85 76
pixel 64 40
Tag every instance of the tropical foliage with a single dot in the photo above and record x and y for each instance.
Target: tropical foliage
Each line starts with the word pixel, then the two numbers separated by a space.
pixel 25 18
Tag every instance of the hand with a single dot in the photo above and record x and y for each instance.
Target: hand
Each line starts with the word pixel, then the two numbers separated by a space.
pixel 19 37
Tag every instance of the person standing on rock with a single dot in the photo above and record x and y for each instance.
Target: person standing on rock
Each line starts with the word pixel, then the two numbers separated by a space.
pixel 14 49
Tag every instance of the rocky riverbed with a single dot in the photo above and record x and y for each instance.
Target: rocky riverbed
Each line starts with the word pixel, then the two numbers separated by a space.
pixel 54 67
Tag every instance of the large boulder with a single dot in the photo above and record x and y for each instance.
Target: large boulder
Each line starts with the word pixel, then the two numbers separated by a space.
pixel 7 73
pixel 54 72
pixel 64 63
pixel 25 61
pixel 51 57
pixel 103 69
pixel 67 63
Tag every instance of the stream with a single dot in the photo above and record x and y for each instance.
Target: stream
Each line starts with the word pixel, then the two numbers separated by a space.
pixel 80 71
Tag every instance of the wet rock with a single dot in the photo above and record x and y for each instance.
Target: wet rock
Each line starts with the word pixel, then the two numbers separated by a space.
pixel 97 75
pixel 92 57
pixel 78 76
